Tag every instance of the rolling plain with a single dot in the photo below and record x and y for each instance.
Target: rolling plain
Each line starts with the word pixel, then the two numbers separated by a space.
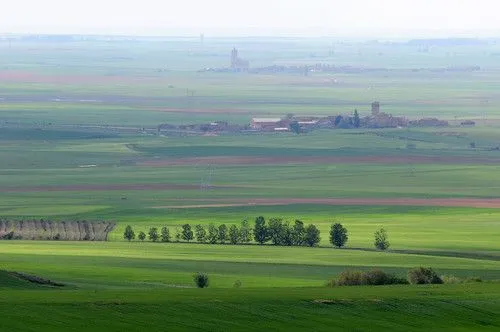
pixel 78 141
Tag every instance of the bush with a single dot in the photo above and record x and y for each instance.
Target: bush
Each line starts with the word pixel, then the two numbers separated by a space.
pixel 237 284
pixel 8 236
pixel 366 278
pixel 472 279
pixel 422 275
pixel 201 280
pixel 142 236
pixel 450 279
pixel 379 277
pixel 348 278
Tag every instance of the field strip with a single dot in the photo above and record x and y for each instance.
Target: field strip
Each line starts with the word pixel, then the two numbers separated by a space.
pixel 107 187
pixel 438 202
pixel 253 160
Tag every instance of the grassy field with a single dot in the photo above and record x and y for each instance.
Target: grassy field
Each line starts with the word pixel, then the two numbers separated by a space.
pixel 72 146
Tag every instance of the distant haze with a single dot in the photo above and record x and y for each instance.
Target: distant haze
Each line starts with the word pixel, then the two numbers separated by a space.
pixel 361 18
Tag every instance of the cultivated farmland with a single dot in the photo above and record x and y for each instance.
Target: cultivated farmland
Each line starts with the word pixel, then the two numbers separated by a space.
pixel 79 140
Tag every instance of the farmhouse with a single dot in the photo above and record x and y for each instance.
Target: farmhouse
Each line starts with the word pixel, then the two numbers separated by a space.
pixel 268 124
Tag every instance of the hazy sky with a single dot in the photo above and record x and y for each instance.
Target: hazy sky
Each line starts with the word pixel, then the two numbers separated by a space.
pixel 252 17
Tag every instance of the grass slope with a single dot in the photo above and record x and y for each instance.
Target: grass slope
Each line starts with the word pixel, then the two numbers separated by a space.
pixel 444 308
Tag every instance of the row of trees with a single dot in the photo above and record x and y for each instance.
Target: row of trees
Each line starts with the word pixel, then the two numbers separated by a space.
pixel 276 231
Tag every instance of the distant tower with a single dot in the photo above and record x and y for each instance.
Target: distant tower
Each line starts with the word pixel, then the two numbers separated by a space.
pixel 234 58
pixel 375 108
pixel 202 39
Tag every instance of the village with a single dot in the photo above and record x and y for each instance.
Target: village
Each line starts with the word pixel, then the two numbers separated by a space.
pixel 303 124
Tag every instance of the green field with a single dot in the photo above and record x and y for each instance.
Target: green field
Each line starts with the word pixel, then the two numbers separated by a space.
pixel 78 142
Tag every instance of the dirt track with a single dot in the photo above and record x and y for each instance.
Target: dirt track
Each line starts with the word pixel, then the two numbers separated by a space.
pixel 250 160
pixel 442 202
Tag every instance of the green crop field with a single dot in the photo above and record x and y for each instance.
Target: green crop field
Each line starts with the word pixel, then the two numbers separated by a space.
pixel 79 141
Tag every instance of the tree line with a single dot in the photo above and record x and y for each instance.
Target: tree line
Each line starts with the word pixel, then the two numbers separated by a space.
pixel 275 231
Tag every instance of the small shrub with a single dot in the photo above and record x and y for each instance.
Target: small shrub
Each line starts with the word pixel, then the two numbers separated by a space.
pixel 201 280
pixel 8 236
pixel 237 284
pixel 473 279
pixel 349 278
pixel 142 236
pixel 57 237
pixel 450 279
pixel 422 275
pixel 368 278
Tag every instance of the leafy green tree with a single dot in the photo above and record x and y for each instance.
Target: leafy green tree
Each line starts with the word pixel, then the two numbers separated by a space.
pixel 234 234
pixel 213 234
pixel 381 239
pixel 153 234
pixel 245 232
pixel 260 232
pixel 279 232
pixel 201 233
pixel 274 230
pixel 165 234
pixel 129 233
pixel 312 237
pixel 356 120
pixel 298 233
pixel 287 235
pixel 222 236
pixel 142 236
pixel 187 232
pixel 338 235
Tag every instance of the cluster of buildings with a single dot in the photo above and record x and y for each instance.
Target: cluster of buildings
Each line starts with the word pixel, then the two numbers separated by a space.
pixel 290 123
pixel 377 119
